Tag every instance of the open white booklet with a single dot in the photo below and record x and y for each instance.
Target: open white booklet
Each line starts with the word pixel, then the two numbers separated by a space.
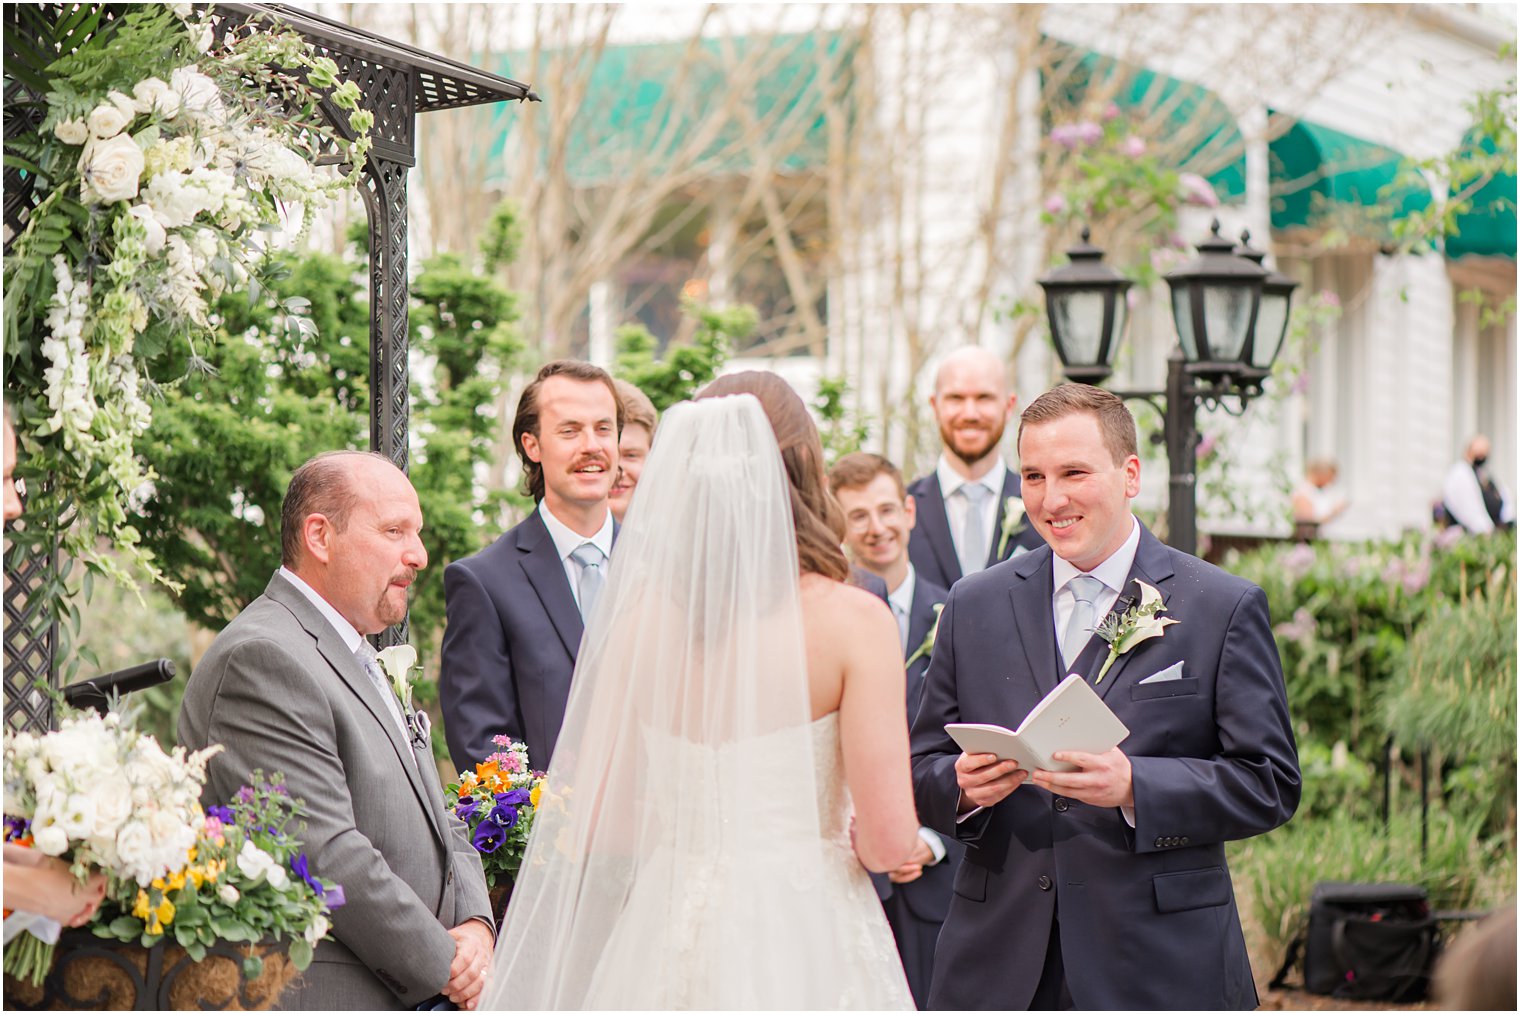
pixel 1071 717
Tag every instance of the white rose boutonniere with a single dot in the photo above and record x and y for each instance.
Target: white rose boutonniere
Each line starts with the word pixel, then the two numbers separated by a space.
pixel 1138 623
pixel 1013 520
pixel 398 661
pixel 928 645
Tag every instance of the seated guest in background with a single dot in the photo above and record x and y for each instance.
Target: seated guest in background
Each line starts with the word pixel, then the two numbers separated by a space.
pixel 516 609
pixel 639 421
pixel 879 515
pixel 1315 503
pixel 1472 497
pixel 1477 972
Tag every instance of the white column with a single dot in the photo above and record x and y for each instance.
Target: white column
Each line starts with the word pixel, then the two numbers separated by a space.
pixel 603 323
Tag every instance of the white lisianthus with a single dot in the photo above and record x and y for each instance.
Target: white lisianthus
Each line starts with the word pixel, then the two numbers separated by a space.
pixel 50 841
pixel 107 121
pixel 228 894
pixel 112 169
pixel 156 236
pixel 77 819
pixel 71 131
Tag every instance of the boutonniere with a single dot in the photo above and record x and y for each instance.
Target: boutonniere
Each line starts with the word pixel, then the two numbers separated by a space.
pixel 928 645
pixel 397 662
pixel 1013 520
pixel 1138 623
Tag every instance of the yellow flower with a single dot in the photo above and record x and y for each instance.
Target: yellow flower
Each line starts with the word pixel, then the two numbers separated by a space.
pixel 192 854
pixel 535 794
pixel 176 881
pixel 158 883
pixel 141 909
pixel 165 912
pixel 153 928
pixel 197 876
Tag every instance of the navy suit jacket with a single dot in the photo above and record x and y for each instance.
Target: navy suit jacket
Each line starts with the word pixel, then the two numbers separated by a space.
pixel 928 897
pixel 1147 914
pixel 509 648
pixel 930 547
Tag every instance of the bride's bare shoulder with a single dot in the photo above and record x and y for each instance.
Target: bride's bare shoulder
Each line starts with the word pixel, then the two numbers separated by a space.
pixel 826 601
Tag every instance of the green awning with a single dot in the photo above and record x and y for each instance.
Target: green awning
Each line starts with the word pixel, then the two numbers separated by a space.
pixel 656 100
pixel 1487 228
pixel 1211 143
pixel 1316 172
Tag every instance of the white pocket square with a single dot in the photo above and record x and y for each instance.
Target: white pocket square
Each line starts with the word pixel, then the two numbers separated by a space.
pixel 1171 672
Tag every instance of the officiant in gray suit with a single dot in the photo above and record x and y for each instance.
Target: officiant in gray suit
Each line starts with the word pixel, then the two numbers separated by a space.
pixel 292 686
pixel 516 609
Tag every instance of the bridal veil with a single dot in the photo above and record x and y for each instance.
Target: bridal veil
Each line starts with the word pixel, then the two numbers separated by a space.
pixel 676 859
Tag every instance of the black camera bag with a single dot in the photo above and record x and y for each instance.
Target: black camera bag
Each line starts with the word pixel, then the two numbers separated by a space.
pixel 1367 942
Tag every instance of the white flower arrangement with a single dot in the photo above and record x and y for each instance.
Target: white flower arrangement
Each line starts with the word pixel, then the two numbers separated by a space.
pixel 160 157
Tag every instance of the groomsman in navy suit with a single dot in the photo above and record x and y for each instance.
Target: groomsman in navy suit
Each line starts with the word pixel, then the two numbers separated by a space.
pixel 516 609
pixel 879 515
pixel 969 516
pixel 1105 887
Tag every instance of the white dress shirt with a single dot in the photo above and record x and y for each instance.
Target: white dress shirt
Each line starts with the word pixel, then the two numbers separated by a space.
pixel 950 482
pixel 1112 572
pixel 567 541
pixel 901 601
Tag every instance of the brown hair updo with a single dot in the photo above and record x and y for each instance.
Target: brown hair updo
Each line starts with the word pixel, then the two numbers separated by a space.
pixel 816 516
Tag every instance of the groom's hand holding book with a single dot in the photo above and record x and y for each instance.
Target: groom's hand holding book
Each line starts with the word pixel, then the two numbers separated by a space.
pixel 1067 744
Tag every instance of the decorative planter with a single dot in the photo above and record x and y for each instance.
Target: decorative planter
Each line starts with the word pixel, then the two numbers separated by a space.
pixel 501 894
pixel 91 973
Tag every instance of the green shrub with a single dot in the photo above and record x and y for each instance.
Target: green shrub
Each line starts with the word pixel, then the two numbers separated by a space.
pixel 1275 872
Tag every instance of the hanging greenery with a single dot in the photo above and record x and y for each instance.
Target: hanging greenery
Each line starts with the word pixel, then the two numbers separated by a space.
pixel 167 152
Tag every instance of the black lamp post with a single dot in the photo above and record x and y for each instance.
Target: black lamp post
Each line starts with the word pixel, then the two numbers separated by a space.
pixel 1271 319
pixel 1217 304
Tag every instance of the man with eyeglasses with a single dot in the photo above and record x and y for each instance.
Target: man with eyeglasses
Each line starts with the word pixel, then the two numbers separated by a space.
pixel 879 514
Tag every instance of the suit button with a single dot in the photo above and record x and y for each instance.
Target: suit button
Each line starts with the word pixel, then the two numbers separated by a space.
pixel 1044 883
pixel 1062 805
pixel 1161 843
pixel 1182 841
pixel 451 876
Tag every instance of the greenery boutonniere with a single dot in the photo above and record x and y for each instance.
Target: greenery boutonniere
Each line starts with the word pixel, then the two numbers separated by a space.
pixel 1013 520
pixel 928 645
pixel 1138 623
pixel 398 661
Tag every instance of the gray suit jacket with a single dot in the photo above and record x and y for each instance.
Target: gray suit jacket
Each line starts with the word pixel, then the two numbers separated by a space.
pixel 281 692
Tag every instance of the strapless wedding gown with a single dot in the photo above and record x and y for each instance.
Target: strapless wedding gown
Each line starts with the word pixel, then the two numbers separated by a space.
pixel 736 923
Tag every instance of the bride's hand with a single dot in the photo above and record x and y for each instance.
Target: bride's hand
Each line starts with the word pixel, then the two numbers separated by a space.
pixel 911 870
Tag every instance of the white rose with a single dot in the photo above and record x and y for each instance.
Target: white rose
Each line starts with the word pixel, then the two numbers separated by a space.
pixel 154 95
pixel 112 169
pixel 198 93
pixel 156 235
pixel 50 841
pixel 134 847
pixel 317 930
pixel 228 894
pixel 106 121
pixel 72 131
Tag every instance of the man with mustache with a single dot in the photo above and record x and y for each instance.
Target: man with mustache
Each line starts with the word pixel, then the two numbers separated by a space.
pixel 963 505
pixel 517 609
pixel 292 686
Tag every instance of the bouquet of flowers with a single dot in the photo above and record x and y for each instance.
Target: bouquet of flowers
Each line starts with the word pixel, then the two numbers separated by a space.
pixel 497 801
pixel 245 880
pixel 103 796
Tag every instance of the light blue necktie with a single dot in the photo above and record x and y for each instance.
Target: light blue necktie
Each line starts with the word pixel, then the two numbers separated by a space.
pixel 1079 626
pixel 592 578
pixel 370 660
pixel 972 547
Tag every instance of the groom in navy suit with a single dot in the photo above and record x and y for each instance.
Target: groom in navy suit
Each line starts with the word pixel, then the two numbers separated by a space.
pixel 966 522
pixel 879 515
pixel 1105 887
pixel 516 610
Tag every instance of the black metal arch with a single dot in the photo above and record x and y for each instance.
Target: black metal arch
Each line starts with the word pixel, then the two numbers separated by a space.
pixel 397 81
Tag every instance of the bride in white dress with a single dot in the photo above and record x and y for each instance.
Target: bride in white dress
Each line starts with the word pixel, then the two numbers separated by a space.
pixel 734 755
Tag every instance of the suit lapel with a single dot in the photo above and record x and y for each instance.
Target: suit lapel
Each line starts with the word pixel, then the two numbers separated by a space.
pixel 1154 567
pixel 921 620
pixel 1010 488
pixel 936 528
pixel 331 647
pixel 1033 617
pixel 545 571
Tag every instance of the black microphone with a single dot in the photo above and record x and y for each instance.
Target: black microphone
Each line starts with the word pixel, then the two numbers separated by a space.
pixel 97 693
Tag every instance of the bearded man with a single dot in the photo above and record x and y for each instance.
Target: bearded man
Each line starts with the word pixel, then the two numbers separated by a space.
pixel 969 512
